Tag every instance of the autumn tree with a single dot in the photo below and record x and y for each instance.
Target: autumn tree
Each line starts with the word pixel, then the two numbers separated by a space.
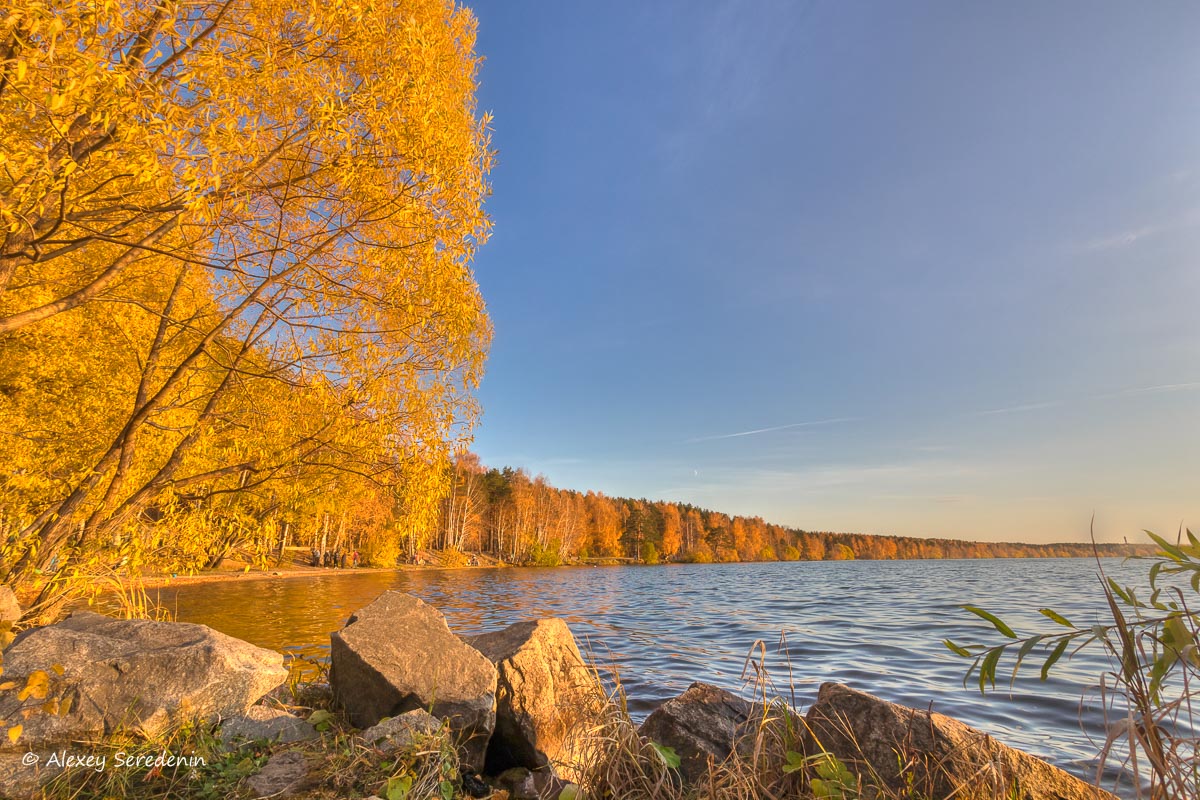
pixel 693 529
pixel 605 524
pixel 462 509
pixel 672 533
pixel 812 547
pixel 274 203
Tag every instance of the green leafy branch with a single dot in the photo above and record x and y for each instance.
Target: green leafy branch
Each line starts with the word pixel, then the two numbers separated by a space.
pixel 1159 633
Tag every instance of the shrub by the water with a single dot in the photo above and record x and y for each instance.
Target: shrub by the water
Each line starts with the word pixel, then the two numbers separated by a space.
pixel 1148 694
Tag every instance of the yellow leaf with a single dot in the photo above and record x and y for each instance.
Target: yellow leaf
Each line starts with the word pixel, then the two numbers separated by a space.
pixel 14 733
pixel 37 686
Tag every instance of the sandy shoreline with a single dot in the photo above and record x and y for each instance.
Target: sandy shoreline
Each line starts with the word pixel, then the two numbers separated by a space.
pixel 227 576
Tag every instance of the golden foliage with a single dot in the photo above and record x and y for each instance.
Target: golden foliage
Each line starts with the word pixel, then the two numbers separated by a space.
pixel 235 291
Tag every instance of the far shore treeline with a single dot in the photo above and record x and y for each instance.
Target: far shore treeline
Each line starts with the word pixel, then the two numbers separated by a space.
pixel 516 518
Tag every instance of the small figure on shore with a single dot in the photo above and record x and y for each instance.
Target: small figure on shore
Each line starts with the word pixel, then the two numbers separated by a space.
pixel 316 558
pixel 342 560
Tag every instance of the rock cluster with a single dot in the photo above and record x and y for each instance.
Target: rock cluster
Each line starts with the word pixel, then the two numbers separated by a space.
pixel 902 747
pixel 890 746
pixel 515 700
pixel 512 698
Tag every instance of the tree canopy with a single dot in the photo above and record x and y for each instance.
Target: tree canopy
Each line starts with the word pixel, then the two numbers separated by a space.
pixel 235 246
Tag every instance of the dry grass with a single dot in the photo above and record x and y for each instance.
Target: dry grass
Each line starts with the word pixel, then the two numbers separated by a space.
pixel 776 757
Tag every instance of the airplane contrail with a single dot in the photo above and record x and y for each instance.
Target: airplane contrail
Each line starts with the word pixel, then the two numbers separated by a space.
pixel 757 431
pixel 1162 387
pixel 1016 409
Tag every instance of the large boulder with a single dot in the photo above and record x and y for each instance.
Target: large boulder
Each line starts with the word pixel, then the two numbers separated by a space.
pixel 701 725
pixel 396 655
pixel 545 695
pixel 140 675
pixel 929 753
pixel 10 609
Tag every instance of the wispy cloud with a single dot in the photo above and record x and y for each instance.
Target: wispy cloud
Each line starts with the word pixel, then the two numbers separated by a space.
pixel 1132 236
pixel 772 429
pixel 744 43
pixel 1018 409
pixel 1136 390
pixel 1162 387
pixel 901 478
pixel 1123 239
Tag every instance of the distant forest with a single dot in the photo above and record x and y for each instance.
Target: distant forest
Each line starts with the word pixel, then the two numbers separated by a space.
pixel 522 519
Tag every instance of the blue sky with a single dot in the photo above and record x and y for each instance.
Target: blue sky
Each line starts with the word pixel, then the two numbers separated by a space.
pixel 924 269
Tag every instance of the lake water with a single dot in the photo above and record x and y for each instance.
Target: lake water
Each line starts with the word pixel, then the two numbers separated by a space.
pixel 875 625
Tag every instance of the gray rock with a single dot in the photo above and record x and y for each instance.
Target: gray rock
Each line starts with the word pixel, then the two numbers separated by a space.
pixel 701 726
pixel 10 609
pixel 544 696
pixel 22 781
pixel 930 754
pixel 518 782
pixel 285 774
pixel 136 674
pixel 271 724
pixel 398 733
pixel 521 784
pixel 396 655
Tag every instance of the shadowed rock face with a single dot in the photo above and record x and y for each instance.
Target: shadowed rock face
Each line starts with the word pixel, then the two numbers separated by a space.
pixel 137 674
pixel 396 655
pixel 937 755
pixel 700 725
pixel 544 695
